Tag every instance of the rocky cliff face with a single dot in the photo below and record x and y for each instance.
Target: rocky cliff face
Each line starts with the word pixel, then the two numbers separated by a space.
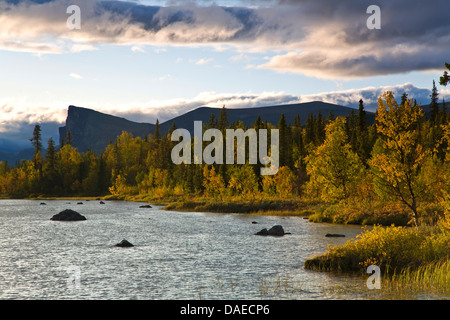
pixel 95 130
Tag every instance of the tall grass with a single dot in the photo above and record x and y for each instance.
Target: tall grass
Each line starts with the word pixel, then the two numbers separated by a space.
pixel 416 257
pixel 431 278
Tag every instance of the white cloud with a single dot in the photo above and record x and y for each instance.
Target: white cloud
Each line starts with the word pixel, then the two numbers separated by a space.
pixel 75 76
pixel 137 49
pixel 204 61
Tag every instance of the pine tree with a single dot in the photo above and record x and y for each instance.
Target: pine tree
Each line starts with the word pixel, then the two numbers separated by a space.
pixel 284 142
pixel 404 98
pixel 434 105
pixel 212 121
pixel 223 119
pixel 50 170
pixel 36 142
pixel 157 134
pixel 297 122
pixel 444 113
pixel 331 116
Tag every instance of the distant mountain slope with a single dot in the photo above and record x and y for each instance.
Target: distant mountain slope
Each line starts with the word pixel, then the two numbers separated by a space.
pixel 12 158
pixel 272 114
pixel 95 130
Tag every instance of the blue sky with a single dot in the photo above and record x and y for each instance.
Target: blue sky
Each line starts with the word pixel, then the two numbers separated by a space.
pixel 145 63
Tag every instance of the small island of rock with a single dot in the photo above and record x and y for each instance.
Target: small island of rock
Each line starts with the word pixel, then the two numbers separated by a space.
pixel 68 215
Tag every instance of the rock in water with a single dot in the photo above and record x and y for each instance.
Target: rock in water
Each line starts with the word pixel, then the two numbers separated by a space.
pixel 124 244
pixel 334 235
pixel 145 206
pixel 68 215
pixel 276 231
pixel 263 232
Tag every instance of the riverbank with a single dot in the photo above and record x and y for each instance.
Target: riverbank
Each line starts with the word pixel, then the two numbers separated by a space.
pixel 406 256
pixel 377 213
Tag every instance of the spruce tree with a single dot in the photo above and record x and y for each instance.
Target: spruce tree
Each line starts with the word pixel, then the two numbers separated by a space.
pixel 434 105
pixel 223 119
pixel 157 134
pixel 36 142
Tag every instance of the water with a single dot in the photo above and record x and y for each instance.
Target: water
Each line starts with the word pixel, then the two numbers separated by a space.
pixel 177 255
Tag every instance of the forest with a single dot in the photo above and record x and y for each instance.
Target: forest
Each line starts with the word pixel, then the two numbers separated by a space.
pixel 396 168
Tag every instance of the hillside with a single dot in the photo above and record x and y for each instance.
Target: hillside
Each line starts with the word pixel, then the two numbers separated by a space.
pixel 95 130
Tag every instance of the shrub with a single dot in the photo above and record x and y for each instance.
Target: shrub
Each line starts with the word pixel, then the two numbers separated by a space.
pixel 390 248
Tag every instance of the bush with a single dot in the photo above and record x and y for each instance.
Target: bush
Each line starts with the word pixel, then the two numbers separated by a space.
pixel 390 248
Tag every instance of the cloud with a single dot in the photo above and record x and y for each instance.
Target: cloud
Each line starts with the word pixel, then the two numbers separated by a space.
pixel 18 118
pixel 320 38
pixel 137 49
pixel 75 76
pixel 204 61
pixel 167 109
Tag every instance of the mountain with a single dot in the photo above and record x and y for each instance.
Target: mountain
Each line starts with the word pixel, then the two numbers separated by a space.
pixel 12 158
pixel 271 114
pixel 95 130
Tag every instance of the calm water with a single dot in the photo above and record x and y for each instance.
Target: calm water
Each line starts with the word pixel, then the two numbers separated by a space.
pixel 176 255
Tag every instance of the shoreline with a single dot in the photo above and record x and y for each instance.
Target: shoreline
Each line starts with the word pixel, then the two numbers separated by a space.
pixel 350 258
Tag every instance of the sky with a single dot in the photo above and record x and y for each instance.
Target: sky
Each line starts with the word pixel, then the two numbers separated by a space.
pixel 152 59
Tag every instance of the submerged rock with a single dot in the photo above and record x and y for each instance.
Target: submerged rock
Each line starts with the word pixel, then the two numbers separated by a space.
pixel 276 231
pixel 334 235
pixel 68 215
pixel 124 244
pixel 145 206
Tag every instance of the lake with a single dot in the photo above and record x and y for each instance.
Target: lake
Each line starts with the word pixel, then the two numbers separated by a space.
pixel 177 255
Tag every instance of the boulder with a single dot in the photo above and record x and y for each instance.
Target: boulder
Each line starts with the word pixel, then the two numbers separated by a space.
pixel 42 203
pixel 263 232
pixel 79 202
pixel 145 206
pixel 124 244
pixel 276 231
pixel 101 202
pixel 68 215
pixel 334 235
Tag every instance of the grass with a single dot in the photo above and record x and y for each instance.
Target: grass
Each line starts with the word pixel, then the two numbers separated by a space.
pixel 433 277
pixel 418 258
pixel 255 207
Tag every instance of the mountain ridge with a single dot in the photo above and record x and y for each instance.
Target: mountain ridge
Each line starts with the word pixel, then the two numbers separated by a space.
pixel 94 130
